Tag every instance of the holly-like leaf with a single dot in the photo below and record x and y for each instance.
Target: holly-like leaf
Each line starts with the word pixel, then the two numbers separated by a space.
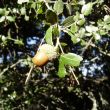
pixel 48 36
pixel 71 59
pixel 58 7
pixel 87 8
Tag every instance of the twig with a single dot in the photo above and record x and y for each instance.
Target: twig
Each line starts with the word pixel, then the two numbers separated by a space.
pixel 74 75
pixel 52 2
pixel 93 45
pixel 107 9
pixel 57 43
pixel 41 41
pixel 29 74
pixel 46 3
pixel 13 65
pixel 86 47
pixel 60 47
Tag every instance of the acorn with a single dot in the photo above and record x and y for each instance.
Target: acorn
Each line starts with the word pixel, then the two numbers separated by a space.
pixel 40 59
pixel 45 53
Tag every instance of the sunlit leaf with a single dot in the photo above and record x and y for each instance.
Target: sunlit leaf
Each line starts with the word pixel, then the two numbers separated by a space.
pixel 74 28
pixel 58 6
pixel 23 11
pixel 107 26
pixel 81 32
pixel 86 9
pixel 77 16
pixel 26 18
pixel 71 59
pixel 107 18
pixel 68 21
pixel 97 36
pixel 10 18
pixel 81 22
pixel 75 39
pixel 61 71
pixel 91 28
pixel 22 1
pixel 69 8
pixel 2 19
pixel 48 36
pixel 102 32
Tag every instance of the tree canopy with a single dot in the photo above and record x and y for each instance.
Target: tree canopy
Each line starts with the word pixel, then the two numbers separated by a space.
pixel 72 36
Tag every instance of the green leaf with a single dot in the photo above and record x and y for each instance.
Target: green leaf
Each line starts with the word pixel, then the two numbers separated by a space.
pixel 51 17
pixel 22 1
pixel 63 44
pixel 10 18
pixel 102 32
pixel 86 9
pixel 107 26
pixel 2 19
pixel 91 28
pixel 55 31
pixel 68 21
pixel 75 39
pixel 19 42
pixel 23 11
pixel 70 33
pixel 71 59
pixel 2 11
pixel 69 8
pixel 39 9
pixel 26 18
pixel 61 71
pixel 81 22
pixel 107 18
pixel 82 32
pixel 97 36
pixel 74 28
pixel 48 36
pixel 77 16
pixel 58 7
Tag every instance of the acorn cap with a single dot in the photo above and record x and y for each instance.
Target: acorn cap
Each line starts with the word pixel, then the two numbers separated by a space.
pixel 49 50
